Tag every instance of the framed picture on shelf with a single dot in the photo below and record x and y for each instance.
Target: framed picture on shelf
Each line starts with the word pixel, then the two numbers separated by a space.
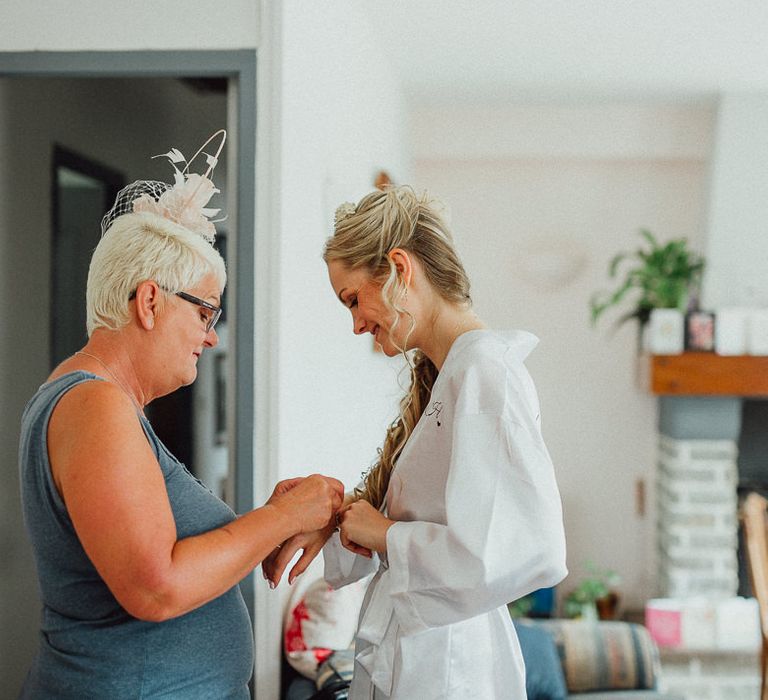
pixel 700 331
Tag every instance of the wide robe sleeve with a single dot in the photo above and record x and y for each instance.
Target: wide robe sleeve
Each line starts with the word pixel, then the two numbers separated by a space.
pixel 503 537
pixel 342 567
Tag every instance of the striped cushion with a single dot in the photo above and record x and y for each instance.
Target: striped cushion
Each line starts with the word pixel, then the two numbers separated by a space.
pixel 604 655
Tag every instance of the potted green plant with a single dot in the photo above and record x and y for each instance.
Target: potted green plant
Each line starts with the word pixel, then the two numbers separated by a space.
pixel 665 276
pixel 595 596
pixel 521 607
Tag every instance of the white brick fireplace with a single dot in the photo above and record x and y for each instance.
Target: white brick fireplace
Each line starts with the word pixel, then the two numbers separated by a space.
pixel 697 517
pixel 710 449
pixel 697 491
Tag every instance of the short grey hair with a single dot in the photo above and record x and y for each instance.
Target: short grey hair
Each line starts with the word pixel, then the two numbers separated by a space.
pixel 141 247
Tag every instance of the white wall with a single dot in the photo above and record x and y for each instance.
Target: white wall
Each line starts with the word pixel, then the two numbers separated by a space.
pixel 337 116
pixel 737 271
pixel 541 199
pixel 342 120
pixel 90 25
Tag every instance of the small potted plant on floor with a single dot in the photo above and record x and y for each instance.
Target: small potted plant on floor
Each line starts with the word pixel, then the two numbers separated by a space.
pixel 662 276
pixel 595 596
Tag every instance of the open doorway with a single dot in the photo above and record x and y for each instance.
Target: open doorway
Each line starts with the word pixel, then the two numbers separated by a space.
pixel 77 126
pixel 90 159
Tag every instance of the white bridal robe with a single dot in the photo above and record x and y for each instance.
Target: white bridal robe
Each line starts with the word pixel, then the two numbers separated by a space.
pixel 479 524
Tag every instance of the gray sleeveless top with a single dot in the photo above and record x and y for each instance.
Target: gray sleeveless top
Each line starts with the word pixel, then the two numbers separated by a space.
pixel 90 647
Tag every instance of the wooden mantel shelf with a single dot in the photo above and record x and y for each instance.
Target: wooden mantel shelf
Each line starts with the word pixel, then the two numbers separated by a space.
pixel 708 374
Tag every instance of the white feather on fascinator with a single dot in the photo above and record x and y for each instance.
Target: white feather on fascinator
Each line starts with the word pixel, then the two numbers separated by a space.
pixel 184 202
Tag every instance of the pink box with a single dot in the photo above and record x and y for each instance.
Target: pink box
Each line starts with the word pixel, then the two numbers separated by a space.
pixel 663 619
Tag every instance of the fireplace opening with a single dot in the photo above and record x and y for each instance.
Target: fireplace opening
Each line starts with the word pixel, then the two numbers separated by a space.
pixel 752 465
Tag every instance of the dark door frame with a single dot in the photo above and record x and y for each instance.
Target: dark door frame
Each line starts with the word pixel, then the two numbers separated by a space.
pixel 112 181
pixel 240 68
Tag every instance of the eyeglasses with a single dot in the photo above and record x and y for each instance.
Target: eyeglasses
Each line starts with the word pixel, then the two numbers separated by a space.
pixel 210 314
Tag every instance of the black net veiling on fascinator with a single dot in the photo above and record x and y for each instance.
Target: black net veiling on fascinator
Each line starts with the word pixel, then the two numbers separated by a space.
pixel 184 202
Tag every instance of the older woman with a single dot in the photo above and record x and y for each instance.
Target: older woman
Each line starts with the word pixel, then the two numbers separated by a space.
pixel 461 513
pixel 138 561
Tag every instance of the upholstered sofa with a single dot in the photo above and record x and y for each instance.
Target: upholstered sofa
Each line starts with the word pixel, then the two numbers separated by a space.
pixel 572 659
pixel 585 660
pixel 565 660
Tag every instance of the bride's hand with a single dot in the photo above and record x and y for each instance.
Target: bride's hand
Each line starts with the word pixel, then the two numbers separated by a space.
pixel 363 528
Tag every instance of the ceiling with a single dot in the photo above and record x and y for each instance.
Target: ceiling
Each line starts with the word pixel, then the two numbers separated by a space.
pixel 522 51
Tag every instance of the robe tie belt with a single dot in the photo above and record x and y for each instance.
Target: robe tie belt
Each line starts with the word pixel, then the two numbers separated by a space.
pixel 379 629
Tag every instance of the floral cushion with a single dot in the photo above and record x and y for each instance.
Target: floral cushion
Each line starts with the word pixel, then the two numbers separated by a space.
pixel 319 621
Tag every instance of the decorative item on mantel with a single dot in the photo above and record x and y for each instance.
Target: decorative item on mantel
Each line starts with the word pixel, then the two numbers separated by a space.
pixel 667 277
pixel 666 332
pixel 741 331
pixel 700 331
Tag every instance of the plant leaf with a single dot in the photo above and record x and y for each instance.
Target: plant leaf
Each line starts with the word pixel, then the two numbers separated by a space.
pixel 666 275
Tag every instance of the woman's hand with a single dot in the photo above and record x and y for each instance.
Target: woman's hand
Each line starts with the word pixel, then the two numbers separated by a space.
pixel 310 542
pixel 363 528
pixel 310 501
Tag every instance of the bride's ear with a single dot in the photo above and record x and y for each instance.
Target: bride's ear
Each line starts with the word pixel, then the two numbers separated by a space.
pixel 403 263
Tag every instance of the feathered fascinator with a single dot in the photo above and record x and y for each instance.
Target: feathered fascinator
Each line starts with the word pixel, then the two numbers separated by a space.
pixel 183 202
